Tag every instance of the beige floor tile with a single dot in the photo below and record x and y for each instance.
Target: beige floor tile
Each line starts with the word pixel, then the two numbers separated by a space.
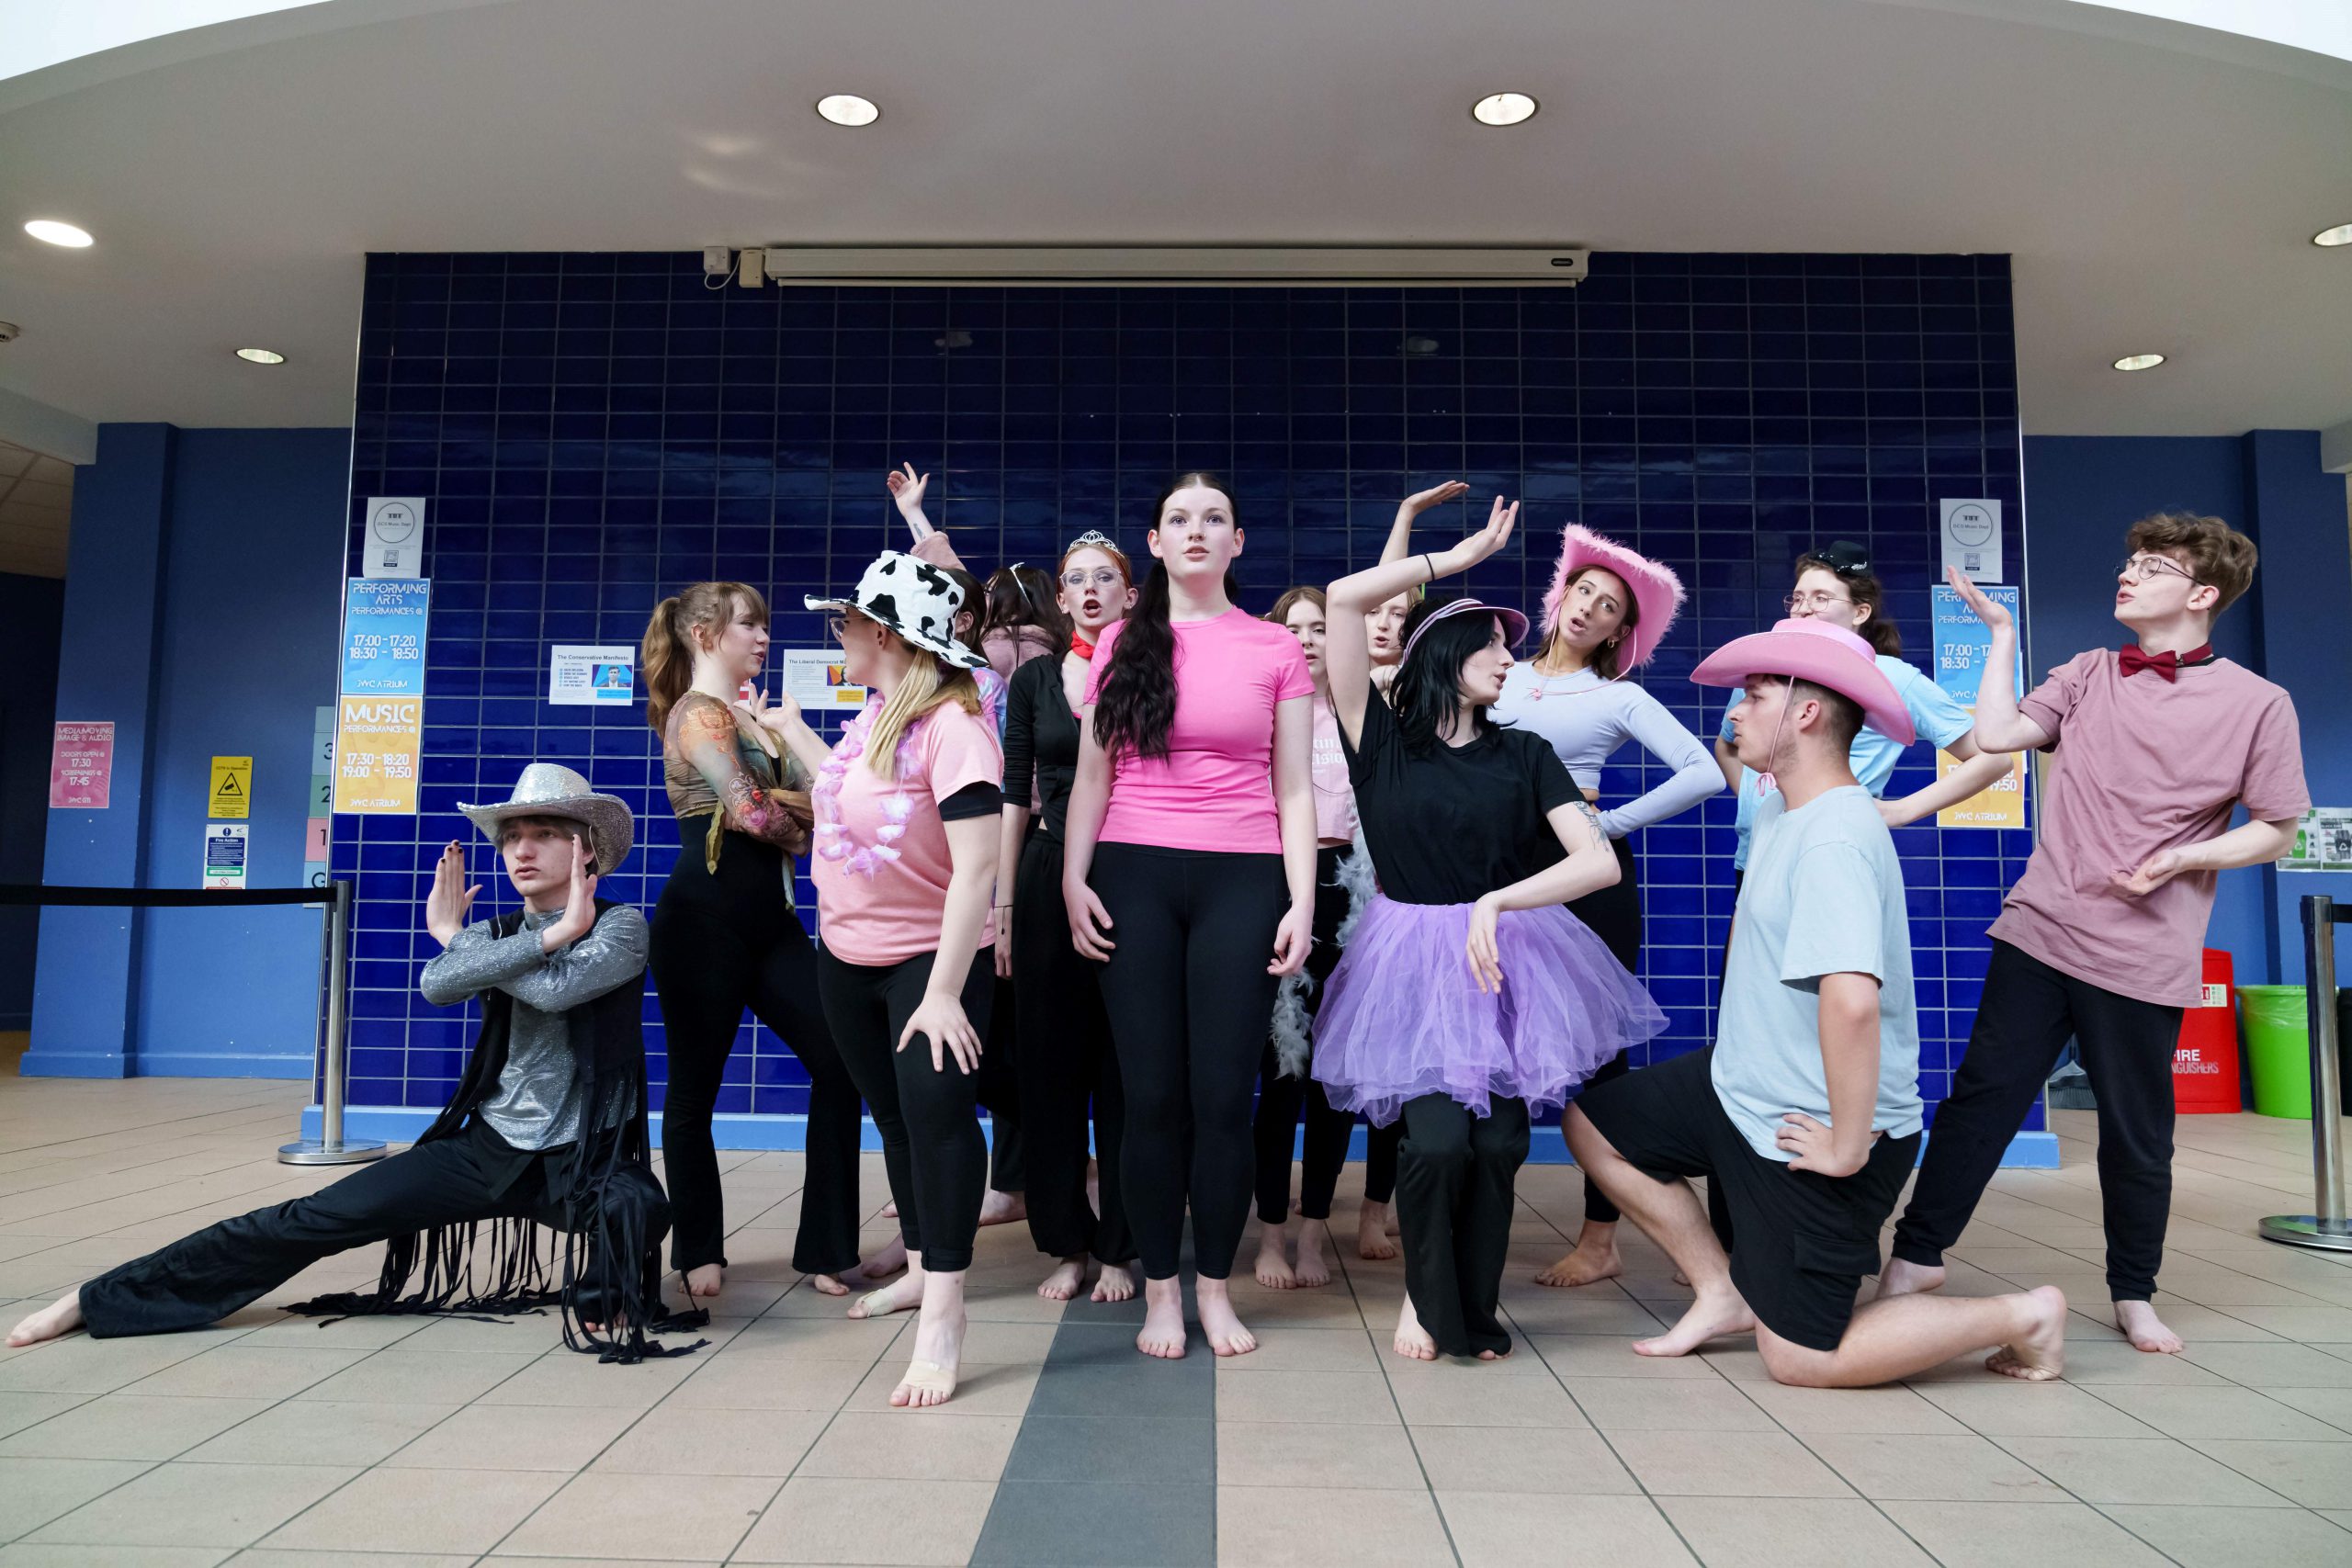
pixel 610 1513
pixel 1611 1356
pixel 1309 1454
pixel 2310 1324
pixel 521 1335
pixel 670 1440
pixel 1791 1532
pixel 1280 1526
pixel 886 1445
pixel 1590 1309
pixel 280 1557
pixel 1287 1349
pixel 1464 1394
pixel 2332 1405
pixel 2021 1535
pixel 525 1437
pixel 196 1504
pixel 1809 1410
pixel 2222 1412
pixel 767 1383
pixel 1518 1458
pixel 83 1365
pixel 1348 1398
pixel 300 1332
pixel 421 1510
pixel 2091 1319
pixel 1646 1404
pixel 25 1555
pixel 2091 1363
pixel 2318 1476
pixel 18 1411
pixel 403 1377
pixel 2155 1469
pixel 869 1521
pixel 239 1372
pixel 320 1431
pixel 2228 1537
pixel 2005 1407
pixel 980 1390
pixel 562 1377
pixel 814 1338
pixel 128 1425
pixel 1727 1464
pixel 2263 1366
pixel 1511 1530
pixel 1950 1468
pixel 35 1491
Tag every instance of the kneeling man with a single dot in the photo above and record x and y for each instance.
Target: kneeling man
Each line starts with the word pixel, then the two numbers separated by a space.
pixel 1804 1115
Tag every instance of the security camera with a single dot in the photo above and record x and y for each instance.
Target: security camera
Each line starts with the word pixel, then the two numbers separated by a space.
pixel 8 331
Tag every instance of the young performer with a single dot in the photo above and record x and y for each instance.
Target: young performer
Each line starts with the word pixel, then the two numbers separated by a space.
pixel 726 937
pixel 1468 998
pixel 1607 610
pixel 2099 941
pixel 1062 1046
pixel 1191 859
pixel 1805 1112
pixel 548 1126
pixel 908 805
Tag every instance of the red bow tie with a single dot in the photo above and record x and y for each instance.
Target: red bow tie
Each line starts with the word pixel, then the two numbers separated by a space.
pixel 2166 664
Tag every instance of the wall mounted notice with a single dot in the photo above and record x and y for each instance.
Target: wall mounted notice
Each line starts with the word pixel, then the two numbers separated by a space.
pixel 816 679
pixel 2323 840
pixel 383 636
pixel 394 545
pixel 1972 538
pixel 232 788
pixel 224 854
pixel 81 765
pixel 1963 642
pixel 580 676
pixel 377 743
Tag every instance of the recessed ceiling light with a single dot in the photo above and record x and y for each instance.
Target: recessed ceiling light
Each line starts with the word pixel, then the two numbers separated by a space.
pixel 261 356
pixel 2140 362
pixel 53 233
pixel 848 108
pixel 1503 108
pixel 2339 235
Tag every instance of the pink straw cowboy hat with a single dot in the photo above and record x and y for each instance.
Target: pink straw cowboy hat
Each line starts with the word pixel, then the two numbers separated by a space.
pixel 1811 649
pixel 1655 588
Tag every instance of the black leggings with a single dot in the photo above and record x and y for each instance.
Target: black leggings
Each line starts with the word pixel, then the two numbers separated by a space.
pixel 929 1117
pixel 1281 1099
pixel 722 941
pixel 1001 1093
pixel 1064 1059
pixel 1188 997
pixel 1456 1184
pixel 1614 914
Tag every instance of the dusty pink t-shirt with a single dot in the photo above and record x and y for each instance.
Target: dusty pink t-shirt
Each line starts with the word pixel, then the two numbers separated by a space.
pixel 1335 797
pixel 880 863
pixel 2138 766
pixel 1215 789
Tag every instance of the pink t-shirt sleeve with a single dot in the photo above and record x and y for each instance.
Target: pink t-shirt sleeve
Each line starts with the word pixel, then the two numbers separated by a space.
pixel 2274 789
pixel 2051 703
pixel 1291 679
pixel 1100 665
pixel 959 750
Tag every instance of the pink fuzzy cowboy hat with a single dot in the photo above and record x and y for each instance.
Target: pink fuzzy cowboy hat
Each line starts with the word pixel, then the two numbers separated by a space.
pixel 1811 649
pixel 1655 588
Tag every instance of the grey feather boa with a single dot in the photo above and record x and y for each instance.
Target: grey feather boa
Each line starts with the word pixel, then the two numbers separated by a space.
pixel 1293 1025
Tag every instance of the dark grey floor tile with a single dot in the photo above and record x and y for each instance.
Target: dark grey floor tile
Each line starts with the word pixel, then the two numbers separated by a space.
pixel 1048 1524
pixel 1114 1448
pixel 1139 1386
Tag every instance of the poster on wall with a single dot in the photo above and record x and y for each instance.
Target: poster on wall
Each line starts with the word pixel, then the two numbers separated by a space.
pixel 231 797
pixel 81 765
pixel 2323 840
pixel 1972 533
pixel 377 744
pixel 224 854
pixel 816 679
pixel 1962 644
pixel 581 676
pixel 383 636
pixel 394 542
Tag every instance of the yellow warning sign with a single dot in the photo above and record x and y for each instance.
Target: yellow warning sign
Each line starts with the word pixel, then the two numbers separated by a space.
pixel 232 787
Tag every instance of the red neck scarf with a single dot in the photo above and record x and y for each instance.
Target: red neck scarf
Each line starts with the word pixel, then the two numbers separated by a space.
pixel 1079 645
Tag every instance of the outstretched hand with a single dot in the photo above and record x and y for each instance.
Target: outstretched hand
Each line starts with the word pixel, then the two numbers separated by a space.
pixel 1436 495
pixel 1994 614
pixel 906 488
pixel 445 906
pixel 1500 520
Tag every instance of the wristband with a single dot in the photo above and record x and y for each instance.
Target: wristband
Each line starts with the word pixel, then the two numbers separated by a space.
pixel 1429 566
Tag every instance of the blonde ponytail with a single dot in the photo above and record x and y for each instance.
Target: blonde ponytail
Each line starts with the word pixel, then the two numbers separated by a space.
pixel 666 658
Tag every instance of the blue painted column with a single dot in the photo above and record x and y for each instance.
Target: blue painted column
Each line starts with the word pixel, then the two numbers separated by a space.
pixel 84 992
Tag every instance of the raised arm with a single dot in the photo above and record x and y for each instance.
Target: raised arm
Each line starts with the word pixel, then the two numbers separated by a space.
pixel 1400 533
pixel 1999 726
pixel 1347 656
pixel 929 544
pixel 1978 770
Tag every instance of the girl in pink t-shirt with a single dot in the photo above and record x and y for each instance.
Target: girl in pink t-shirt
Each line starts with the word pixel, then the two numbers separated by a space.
pixel 1190 873
pixel 906 804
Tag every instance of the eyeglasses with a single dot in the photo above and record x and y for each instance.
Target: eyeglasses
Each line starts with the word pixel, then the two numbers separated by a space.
pixel 2143 567
pixel 1816 600
pixel 836 627
pixel 1104 578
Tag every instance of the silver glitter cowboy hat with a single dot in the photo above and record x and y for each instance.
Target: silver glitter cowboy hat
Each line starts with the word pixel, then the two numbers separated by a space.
pixel 914 599
pixel 549 789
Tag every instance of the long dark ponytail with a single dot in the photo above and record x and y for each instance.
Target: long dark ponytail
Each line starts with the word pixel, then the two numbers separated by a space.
pixel 1137 706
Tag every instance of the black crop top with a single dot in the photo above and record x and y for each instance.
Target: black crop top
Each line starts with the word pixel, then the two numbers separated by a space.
pixel 1040 742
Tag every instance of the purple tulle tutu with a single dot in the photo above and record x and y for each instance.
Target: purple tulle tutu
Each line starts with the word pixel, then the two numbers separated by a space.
pixel 1403 1016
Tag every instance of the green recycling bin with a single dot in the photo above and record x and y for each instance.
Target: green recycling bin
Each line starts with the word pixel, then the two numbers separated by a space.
pixel 2277 1049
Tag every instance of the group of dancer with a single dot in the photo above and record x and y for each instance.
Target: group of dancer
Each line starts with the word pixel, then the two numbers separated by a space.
pixel 1152 878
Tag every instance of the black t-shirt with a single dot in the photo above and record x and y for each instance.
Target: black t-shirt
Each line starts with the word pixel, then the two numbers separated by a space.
pixel 1040 741
pixel 1455 825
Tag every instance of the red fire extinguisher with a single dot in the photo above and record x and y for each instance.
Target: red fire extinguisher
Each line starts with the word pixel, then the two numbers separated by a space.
pixel 2205 1063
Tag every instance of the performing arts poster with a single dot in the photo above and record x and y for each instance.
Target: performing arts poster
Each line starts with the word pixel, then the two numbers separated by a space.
pixel 1962 644
pixel 377 744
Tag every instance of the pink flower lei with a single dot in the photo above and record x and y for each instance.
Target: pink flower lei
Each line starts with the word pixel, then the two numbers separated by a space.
pixel 833 839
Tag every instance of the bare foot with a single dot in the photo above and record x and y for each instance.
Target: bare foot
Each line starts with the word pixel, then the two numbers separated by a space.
pixel 704 1283
pixel 1272 1269
pixel 1004 1208
pixel 1117 1283
pixel 1711 1316
pixel 938 1352
pixel 828 1285
pixel 1903 1279
pixel 1412 1339
pixel 62 1316
pixel 878 1267
pixel 1064 1281
pixel 1593 1259
pixel 890 1210
pixel 2040 1353
pixel 1312 1271
pixel 2145 1330
pixel 1373 1231
pixel 1163 1320
pixel 1219 1325
pixel 904 1294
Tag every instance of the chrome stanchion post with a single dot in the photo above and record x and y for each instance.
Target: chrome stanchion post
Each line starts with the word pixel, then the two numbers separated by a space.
pixel 331 1148
pixel 2328 1228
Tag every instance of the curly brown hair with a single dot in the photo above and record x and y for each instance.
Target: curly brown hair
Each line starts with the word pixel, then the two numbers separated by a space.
pixel 2216 554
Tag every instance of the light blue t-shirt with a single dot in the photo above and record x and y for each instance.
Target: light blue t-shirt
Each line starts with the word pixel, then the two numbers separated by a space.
pixel 1823 897
pixel 1934 713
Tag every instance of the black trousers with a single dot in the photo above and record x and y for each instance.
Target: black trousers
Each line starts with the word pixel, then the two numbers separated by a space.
pixel 723 942
pixel 1457 1175
pixel 1615 915
pixel 1064 1059
pixel 1188 997
pixel 1280 1100
pixel 2027 1013
pixel 1000 1092
pixel 204 1277
pixel 929 1118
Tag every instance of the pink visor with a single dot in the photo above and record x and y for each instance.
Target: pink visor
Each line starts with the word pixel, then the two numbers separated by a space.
pixel 1514 624
pixel 1811 649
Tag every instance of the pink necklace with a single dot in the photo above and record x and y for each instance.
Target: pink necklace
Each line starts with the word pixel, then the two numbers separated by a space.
pixel 834 841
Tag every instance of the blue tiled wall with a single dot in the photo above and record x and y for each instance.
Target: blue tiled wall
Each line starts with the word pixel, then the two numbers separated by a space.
pixel 594 431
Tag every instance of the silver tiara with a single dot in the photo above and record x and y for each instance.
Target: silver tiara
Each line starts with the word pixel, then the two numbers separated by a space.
pixel 1096 539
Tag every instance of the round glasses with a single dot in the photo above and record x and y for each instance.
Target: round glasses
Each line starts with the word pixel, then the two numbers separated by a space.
pixel 1104 578
pixel 1816 600
pixel 2143 567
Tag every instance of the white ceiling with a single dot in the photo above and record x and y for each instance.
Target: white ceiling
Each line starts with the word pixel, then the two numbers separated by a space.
pixel 36 501
pixel 2157 184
